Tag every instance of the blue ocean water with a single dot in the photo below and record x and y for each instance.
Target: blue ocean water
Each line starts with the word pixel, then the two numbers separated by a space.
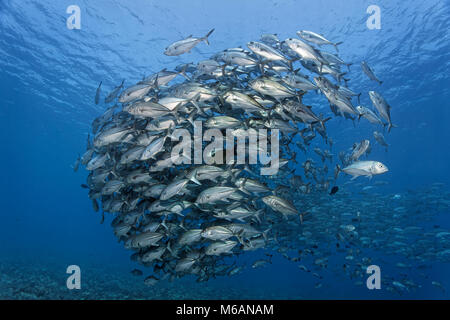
pixel 48 78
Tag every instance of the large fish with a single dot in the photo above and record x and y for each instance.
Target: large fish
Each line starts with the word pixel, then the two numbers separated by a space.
pixel 186 45
pixel 280 205
pixel 316 38
pixel 369 72
pixel 365 168
pixel 215 194
pixel 113 94
pixel 382 106
pixel 380 139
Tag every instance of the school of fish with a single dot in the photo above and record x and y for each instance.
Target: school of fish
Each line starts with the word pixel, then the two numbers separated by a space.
pixel 192 219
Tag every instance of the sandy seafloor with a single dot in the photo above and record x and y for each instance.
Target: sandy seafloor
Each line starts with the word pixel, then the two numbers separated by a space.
pixel 45 279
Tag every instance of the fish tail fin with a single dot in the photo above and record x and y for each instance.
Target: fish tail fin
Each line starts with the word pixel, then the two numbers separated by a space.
pixel 322 122
pixel 266 232
pixel 300 95
pixel 192 176
pixel 243 190
pixel 190 119
pixel 194 101
pixel 155 82
pixel 296 70
pixel 258 213
pixel 183 73
pixel 170 249
pixel 339 169
pixel 359 116
pixel 346 80
pixel 290 63
pixel 205 38
pixel 339 78
pixel 336 45
pixel 232 176
pixel 390 125
pixel 300 216
pixel 240 238
pixel 348 65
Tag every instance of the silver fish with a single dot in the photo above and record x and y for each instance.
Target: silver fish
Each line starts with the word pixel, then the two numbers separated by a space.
pixel 186 45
